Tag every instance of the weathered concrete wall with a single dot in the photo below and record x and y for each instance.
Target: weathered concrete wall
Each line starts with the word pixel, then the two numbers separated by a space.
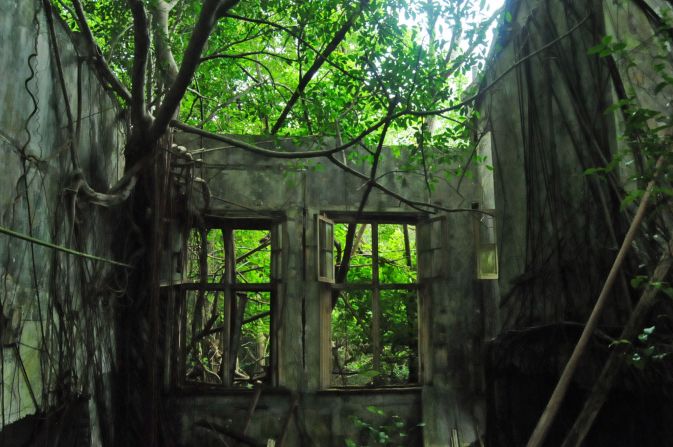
pixel 48 298
pixel 321 419
pixel 448 398
pixel 559 228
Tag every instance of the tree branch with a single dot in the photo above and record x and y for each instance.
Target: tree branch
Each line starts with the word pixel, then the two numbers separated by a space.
pixel 247 53
pixel 270 153
pixel 211 11
pixel 317 63
pixel 417 205
pixel 298 37
pixel 615 363
pixel 498 78
pixel 165 60
pixel 550 411
pixel 141 37
pixel 99 60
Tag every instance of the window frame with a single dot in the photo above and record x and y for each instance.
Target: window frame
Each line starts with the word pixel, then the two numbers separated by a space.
pixel 229 288
pixel 322 240
pixel 490 247
pixel 375 286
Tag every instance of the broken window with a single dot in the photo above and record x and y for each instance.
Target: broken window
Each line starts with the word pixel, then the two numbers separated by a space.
pixel 227 325
pixel 374 309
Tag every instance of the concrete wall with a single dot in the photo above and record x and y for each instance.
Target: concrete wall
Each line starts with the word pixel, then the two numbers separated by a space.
pixel 558 228
pixel 60 312
pixel 48 299
pixel 447 400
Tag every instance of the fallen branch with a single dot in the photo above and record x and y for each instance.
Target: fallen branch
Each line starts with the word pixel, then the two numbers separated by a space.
pixel 615 362
pixel 550 411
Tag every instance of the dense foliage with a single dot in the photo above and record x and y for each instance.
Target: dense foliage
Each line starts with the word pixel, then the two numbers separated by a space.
pixel 205 312
pixel 366 70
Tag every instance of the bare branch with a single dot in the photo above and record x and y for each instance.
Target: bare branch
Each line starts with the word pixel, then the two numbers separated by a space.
pixel 615 363
pixel 551 409
pixel 417 205
pixel 276 154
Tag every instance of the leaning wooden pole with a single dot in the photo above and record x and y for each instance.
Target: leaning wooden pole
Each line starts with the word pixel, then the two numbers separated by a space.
pixel 615 362
pixel 550 411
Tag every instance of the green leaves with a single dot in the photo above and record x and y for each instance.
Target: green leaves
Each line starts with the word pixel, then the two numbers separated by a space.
pixel 417 55
pixel 392 432
pixel 607 47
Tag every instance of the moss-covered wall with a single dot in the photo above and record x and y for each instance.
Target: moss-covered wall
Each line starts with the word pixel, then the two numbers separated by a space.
pixel 47 297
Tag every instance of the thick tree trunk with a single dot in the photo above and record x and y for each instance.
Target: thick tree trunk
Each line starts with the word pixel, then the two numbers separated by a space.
pixel 138 371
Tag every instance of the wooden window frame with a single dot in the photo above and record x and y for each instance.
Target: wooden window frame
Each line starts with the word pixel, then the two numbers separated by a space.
pixel 376 287
pixel 325 267
pixel 481 246
pixel 229 287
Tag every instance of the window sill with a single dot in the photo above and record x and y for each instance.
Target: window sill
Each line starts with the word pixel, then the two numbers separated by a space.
pixel 411 389
pixel 219 390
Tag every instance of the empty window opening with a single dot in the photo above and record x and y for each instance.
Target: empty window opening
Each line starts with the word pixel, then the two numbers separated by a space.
pixel 226 308
pixel 374 318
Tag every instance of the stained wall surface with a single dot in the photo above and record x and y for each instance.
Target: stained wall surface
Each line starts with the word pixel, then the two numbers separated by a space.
pixel 45 293
pixel 447 402
pixel 548 125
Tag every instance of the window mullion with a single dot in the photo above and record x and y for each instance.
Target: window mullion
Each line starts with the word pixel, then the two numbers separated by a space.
pixel 376 303
pixel 229 296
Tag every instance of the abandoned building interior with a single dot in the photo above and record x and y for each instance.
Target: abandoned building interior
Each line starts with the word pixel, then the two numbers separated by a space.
pixel 332 300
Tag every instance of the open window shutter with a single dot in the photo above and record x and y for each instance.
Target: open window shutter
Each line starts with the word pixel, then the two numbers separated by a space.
pixel 325 249
pixel 486 245
pixel 276 252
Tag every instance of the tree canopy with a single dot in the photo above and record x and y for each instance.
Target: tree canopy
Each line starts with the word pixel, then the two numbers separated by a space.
pixel 363 71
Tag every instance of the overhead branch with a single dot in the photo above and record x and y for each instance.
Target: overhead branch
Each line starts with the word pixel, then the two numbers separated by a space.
pixel 271 153
pixel 229 101
pixel 246 53
pixel 317 63
pixel 100 63
pixel 258 65
pixel 211 11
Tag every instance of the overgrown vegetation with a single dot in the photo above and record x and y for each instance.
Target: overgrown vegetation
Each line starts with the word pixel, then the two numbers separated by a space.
pixel 365 72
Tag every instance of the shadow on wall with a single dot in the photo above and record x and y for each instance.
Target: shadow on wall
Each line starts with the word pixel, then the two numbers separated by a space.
pixel 523 367
pixel 66 427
